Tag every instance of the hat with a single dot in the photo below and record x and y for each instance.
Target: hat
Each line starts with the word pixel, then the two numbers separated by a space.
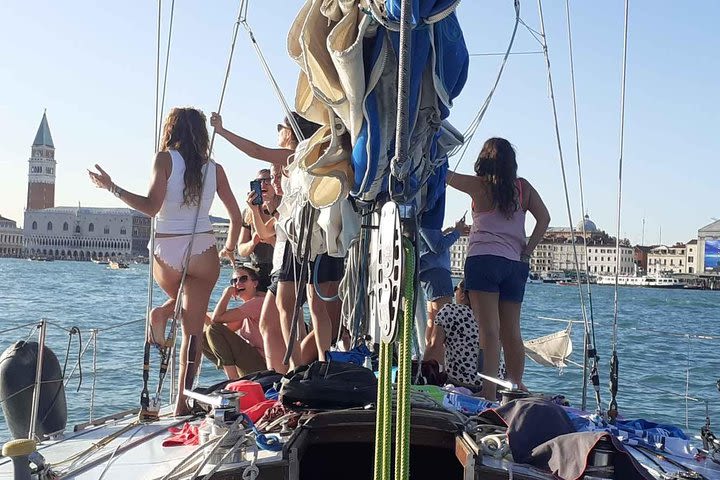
pixel 307 128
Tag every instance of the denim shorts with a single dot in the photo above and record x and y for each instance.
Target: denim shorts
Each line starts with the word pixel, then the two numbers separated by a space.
pixel 329 269
pixel 436 283
pixel 491 273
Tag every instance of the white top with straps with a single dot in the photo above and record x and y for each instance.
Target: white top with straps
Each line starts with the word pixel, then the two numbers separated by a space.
pixel 175 216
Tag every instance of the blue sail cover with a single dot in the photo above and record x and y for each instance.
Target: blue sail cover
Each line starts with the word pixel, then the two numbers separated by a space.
pixel 438 71
pixel 348 54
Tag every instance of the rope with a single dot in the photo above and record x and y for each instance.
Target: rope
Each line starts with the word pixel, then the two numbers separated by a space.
pixel 402 436
pixel 562 169
pixel 614 364
pixel 169 348
pixel 31 324
pixel 383 415
pixel 472 128
pixel 589 336
pixel 73 331
pixel 266 68
pixel 93 337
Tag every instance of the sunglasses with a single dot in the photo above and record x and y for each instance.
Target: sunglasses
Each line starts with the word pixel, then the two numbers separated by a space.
pixel 240 279
pixel 264 180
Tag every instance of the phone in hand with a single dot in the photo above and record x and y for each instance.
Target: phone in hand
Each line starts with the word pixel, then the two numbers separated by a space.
pixel 256 186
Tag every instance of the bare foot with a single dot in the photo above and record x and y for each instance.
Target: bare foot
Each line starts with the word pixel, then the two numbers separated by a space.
pixel 159 317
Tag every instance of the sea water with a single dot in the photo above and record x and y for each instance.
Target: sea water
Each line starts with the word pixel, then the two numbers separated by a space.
pixel 667 340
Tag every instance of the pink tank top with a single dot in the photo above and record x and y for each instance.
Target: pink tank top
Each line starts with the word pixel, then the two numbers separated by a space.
pixel 492 233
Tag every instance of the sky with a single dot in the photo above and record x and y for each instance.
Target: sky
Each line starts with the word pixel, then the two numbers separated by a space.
pixel 92 66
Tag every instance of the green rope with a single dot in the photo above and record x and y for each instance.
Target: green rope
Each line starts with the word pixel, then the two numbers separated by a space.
pixel 402 435
pixel 383 419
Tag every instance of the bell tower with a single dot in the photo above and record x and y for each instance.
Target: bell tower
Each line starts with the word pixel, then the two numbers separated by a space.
pixel 41 173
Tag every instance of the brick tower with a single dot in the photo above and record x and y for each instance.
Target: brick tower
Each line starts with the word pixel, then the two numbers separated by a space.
pixel 41 175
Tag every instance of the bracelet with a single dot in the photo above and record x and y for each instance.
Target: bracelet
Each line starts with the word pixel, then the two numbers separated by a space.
pixel 231 250
pixel 115 190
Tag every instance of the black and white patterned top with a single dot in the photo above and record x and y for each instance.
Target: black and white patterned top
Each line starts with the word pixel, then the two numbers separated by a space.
pixel 462 345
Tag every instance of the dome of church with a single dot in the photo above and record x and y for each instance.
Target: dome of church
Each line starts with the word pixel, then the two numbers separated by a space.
pixel 588 224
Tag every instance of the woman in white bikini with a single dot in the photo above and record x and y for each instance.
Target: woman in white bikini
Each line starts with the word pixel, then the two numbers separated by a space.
pixel 175 195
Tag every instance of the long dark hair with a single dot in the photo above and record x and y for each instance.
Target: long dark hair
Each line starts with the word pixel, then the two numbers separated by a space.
pixel 498 165
pixel 185 131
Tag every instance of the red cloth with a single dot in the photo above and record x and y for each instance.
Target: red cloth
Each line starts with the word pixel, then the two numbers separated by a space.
pixel 251 393
pixel 258 410
pixel 187 435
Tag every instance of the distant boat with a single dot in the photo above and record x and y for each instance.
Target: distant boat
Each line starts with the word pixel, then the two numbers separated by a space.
pixel 534 278
pixel 657 281
pixel 113 265
pixel 100 261
pixel 41 259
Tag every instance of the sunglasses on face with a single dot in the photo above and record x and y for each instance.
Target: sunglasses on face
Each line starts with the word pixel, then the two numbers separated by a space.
pixel 240 279
pixel 264 180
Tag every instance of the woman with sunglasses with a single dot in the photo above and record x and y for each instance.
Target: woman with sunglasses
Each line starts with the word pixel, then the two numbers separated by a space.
pixel 184 183
pixel 232 338
pixel 325 315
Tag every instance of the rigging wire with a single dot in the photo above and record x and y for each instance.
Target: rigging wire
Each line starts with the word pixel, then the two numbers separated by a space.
pixel 589 340
pixel 614 360
pixel 551 93
pixel 475 123
pixel 178 299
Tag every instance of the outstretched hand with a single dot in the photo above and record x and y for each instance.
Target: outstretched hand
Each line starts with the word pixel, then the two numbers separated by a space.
pixel 102 179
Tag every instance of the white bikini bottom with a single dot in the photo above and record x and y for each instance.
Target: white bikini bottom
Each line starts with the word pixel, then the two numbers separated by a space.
pixel 172 250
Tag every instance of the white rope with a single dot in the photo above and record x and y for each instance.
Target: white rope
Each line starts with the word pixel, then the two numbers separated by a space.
pixel 620 169
pixel 551 92
pixel 589 341
pixel 92 392
pixel 472 128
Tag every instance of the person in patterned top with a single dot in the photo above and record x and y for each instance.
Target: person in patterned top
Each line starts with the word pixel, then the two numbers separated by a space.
pixel 460 333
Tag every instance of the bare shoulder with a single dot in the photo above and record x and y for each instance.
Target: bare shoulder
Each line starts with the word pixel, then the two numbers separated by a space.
pixel 163 163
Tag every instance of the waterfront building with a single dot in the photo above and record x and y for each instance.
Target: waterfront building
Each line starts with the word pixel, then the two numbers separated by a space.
pixel 458 253
pixel 664 260
pixel 555 252
pixel 74 233
pixel 708 249
pixel 11 238
pixel 691 260
pixel 640 257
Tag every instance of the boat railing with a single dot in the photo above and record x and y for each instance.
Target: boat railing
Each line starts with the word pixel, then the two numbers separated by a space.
pixel 42 327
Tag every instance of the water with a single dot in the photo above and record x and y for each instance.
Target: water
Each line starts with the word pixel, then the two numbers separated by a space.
pixel 654 357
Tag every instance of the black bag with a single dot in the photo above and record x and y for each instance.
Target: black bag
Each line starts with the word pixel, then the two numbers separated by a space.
pixel 329 385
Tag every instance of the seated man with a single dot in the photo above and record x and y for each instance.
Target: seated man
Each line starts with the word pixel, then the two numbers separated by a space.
pixel 232 338
pixel 459 332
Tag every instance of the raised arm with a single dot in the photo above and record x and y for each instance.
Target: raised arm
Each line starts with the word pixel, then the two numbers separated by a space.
pixel 275 156
pixel 246 244
pixel 469 184
pixel 222 314
pixel 539 211
pixel 150 204
pixel 265 229
pixel 226 196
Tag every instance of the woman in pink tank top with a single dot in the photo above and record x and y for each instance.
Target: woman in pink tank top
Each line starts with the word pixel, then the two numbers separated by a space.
pixel 497 264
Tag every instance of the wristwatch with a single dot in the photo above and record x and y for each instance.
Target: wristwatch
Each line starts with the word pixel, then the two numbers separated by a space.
pixel 115 190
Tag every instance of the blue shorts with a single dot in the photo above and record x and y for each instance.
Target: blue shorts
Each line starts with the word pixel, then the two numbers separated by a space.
pixel 436 283
pixel 491 273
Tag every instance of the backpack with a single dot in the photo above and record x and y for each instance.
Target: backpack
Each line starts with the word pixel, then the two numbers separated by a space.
pixel 329 385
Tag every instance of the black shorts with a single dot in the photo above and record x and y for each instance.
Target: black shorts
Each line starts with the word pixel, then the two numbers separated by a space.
pixel 264 271
pixel 330 269
pixel 272 288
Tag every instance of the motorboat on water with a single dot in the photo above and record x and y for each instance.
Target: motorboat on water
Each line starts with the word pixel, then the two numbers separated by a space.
pixel 117 265
pixel 642 281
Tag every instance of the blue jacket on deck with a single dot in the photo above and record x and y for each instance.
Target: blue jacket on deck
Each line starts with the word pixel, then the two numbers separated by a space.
pixel 435 248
